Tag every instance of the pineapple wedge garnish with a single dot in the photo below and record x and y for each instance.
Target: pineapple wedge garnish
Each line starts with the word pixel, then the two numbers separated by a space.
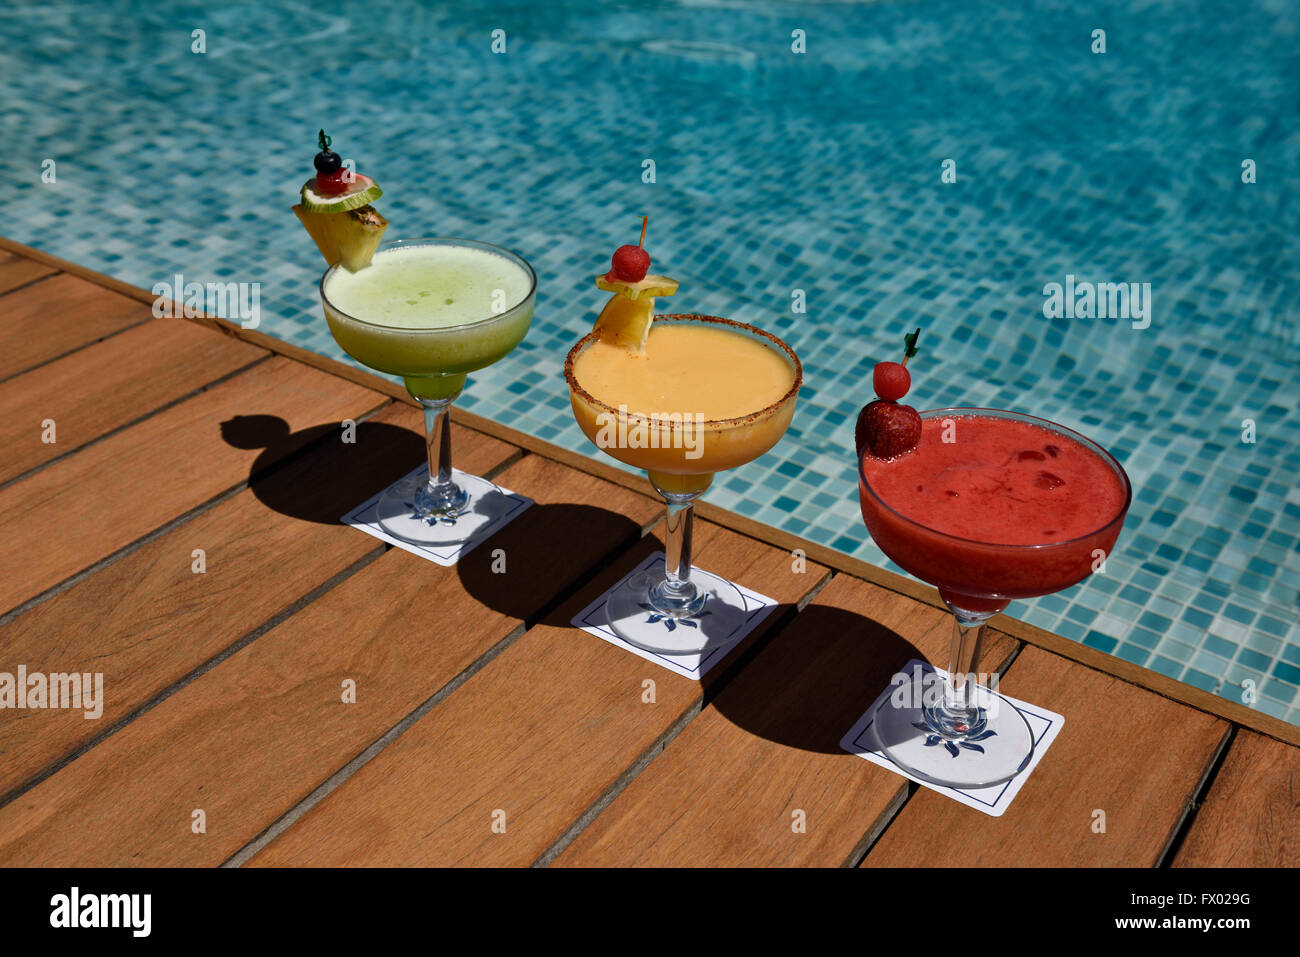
pixel 350 237
pixel 625 320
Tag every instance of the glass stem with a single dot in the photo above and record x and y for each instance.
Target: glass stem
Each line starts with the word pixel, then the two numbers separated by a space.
pixel 437 433
pixel 958 689
pixel 677 557
pixel 677 595
pixel 441 494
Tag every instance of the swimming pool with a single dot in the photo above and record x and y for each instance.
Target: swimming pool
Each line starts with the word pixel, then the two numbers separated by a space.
pixel 775 171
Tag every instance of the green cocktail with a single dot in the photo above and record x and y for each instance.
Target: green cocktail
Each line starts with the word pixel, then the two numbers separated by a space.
pixel 431 311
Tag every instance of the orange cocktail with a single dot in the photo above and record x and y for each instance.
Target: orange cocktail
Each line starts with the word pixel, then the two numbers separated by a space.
pixel 703 394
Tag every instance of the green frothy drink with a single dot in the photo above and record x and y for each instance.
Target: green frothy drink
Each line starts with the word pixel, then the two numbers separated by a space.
pixel 430 311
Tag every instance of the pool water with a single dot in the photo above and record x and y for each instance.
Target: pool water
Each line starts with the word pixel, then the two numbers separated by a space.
pixel 779 178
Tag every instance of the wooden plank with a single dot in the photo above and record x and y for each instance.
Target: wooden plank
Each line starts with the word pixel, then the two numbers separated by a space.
pixel 84 507
pixel 258 732
pixel 1137 758
pixel 56 315
pixel 149 620
pixel 104 386
pixel 1251 817
pixel 726 793
pixel 540 734
pixel 76 269
pixel 18 270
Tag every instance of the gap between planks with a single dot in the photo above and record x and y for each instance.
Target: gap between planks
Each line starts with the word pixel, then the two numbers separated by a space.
pixel 172 523
pixel 203 668
pixel 31 282
pixel 370 752
pixel 139 419
pixel 1197 800
pixel 75 349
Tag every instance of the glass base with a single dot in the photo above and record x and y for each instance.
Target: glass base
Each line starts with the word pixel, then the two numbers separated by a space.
pixel 658 624
pixel 407 512
pixel 991 747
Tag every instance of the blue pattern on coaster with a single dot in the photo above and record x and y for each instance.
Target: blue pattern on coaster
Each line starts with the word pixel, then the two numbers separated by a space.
pixel 363 517
pixel 775 171
pixel 955 748
pixel 592 620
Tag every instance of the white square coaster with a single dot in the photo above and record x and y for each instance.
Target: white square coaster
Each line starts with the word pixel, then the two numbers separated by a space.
pixel 757 607
pixel 1044 724
pixel 363 517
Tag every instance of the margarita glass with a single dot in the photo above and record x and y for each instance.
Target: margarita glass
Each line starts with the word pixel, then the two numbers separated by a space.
pixel 708 394
pixel 431 311
pixel 990 506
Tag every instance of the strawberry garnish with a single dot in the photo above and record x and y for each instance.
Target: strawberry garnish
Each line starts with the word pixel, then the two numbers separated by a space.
pixel 886 429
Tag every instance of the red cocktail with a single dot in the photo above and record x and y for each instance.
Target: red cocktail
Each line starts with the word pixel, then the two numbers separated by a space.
pixel 989 506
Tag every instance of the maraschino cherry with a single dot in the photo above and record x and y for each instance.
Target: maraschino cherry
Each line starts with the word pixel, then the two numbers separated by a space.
pixel 631 263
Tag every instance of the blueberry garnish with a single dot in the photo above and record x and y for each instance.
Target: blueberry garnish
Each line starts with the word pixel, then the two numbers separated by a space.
pixel 326 161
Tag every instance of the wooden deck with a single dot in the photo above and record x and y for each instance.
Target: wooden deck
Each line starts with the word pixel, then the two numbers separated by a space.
pixel 474 695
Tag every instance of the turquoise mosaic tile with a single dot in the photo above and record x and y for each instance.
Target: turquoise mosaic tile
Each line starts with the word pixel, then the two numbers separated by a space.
pixel 775 172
